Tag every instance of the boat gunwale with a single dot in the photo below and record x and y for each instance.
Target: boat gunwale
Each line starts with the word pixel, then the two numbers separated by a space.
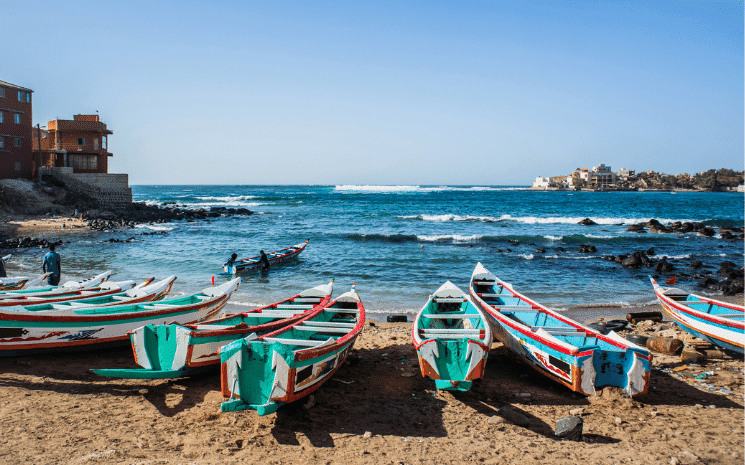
pixel 699 314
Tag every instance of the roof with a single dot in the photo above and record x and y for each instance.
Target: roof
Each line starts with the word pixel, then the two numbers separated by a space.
pixel 13 86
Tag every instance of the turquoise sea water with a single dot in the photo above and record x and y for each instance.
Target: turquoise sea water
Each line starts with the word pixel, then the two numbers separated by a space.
pixel 400 243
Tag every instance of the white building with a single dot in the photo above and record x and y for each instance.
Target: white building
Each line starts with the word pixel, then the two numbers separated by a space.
pixel 541 183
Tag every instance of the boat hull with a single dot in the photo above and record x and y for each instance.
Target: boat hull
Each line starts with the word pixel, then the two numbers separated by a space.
pixel 274 258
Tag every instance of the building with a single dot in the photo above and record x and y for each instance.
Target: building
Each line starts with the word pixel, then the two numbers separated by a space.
pixel 16 159
pixel 81 144
pixel 625 174
pixel 602 176
pixel 541 183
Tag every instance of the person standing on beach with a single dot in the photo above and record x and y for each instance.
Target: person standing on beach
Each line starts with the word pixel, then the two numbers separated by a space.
pixel 264 261
pixel 52 264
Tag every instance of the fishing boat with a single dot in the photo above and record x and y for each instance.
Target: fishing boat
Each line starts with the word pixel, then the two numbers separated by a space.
pixel 452 339
pixel 24 331
pixel 104 289
pixel 721 323
pixel 275 258
pixel 30 288
pixel 264 372
pixel 172 351
pixel 145 292
pixel 556 346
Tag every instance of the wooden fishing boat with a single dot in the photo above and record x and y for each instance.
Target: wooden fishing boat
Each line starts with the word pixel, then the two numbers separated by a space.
pixel 145 292
pixel 171 351
pixel 558 347
pixel 721 323
pixel 30 288
pixel 264 372
pixel 104 289
pixel 24 331
pixel 275 258
pixel 452 339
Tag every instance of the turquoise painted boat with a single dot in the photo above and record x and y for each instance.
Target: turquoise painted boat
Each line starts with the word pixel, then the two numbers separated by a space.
pixel 721 323
pixel 556 346
pixel 264 372
pixel 35 289
pixel 144 292
pixel 452 339
pixel 104 289
pixel 274 258
pixel 23 331
pixel 172 351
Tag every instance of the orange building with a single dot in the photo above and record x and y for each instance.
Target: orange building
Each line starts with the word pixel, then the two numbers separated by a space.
pixel 81 143
pixel 15 131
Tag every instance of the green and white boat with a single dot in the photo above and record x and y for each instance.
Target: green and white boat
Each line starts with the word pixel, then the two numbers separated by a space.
pixel 452 338
pixel 173 350
pixel 264 372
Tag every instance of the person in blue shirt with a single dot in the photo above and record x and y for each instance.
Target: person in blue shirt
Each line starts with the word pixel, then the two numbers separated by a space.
pixel 52 264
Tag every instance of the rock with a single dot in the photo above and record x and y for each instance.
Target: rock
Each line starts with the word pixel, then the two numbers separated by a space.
pixel 587 248
pixel 311 402
pixel 695 264
pixel 540 250
pixel 371 324
pixel 665 345
pixel 577 411
pixel 367 434
pixel 496 420
pixel 636 317
pixel 689 355
pixel 708 231
pixel 569 428
pixel 587 222
pixel 650 251
pixel 618 421
pixel 632 260
pixel 514 417
pixel 396 319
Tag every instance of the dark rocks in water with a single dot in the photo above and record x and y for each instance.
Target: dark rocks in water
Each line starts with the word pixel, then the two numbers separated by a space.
pixel 695 264
pixel 609 258
pixel 650 251
pixel 514 242
pixel 569 428
pixel 708 231
pixel 726 235
pixel 632 260
pixel 587 248
pixel 560 249
pixel 540 250
pixel 663 266
pixel 708 282
pixel 637 228
pixel 131 239
pixel 587 222
pixel 26 242
pixel 653 223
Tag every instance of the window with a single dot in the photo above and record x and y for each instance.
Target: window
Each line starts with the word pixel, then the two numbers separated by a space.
pixel 83 162
pixel 18 141
pixel 18 166
pixel 2 118
pixel 2 142
pixel 24 96
pixel 81 140
pixel 105 142
pixel 95 143
pixel 2 92
pixel 17 118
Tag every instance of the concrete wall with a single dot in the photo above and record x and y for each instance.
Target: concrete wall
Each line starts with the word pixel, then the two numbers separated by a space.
pixel 111 190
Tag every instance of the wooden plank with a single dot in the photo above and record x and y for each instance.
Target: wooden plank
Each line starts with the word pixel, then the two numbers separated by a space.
pixel 515 308
pixel 309 299
pixel 331 324
pixel 454 316
pixel 445 300
pixel 481 294
pixel 342 310
pixel 293 306
pixel 296 342
pixel 321 329
pixel 475 332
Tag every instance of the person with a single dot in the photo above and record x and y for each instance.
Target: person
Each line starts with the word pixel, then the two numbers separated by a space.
pixel 231 260
pixel 3 274
pixel 264 261
pixel 52 264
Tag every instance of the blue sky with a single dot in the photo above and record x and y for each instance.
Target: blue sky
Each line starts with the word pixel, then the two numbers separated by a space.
pixel 343 92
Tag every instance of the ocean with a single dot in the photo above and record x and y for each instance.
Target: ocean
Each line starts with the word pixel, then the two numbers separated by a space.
pixel 398 244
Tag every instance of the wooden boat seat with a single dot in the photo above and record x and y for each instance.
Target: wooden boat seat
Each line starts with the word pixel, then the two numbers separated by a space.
pixel 321 329
pixel 342 310
pixel 443 333
pixel 275 313
pixel 308 299
pixel 516 308
pixel 487 283
pixel 331 324
pixel 289 306
pixel 296 342
pixel 452 316
pixel 445 300
pixel 484 294
pixel 213 327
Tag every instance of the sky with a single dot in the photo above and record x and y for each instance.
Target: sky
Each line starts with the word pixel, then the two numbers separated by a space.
pixel 388 92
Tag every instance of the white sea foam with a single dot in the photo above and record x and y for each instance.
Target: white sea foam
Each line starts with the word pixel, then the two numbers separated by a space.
pixel 155 227
pixel 553 238
pixel 596 236
pixel 450 217
pixel 445 237
pixel 234 204
pixel 577 219
pixel 228 198
pixel 527 257
pixel 676 257
pixel 407 188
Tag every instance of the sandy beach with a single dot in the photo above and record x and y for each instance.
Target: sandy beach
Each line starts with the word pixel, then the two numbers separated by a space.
pixel 376 409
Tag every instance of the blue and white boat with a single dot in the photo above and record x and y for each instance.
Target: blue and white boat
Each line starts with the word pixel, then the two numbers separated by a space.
pixel 562 349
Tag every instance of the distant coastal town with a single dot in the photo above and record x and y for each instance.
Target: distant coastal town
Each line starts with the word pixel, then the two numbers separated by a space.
pixel 603 178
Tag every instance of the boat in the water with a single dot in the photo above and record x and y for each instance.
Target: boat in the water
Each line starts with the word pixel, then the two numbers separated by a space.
pixel 721 323
pixel 30 288
pixel 264 372
pixel 84 328
pixel 173 350
pixel 562 349
pixel 275 258
pixel 146 291
pixel 452 338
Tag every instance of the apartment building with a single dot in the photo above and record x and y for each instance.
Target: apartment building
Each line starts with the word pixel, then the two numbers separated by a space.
pixel 16 159
pixel 81 144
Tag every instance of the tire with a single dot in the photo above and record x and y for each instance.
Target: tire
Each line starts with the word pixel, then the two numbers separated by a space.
pixel 637 339
pixel 615 325
pixel 599 327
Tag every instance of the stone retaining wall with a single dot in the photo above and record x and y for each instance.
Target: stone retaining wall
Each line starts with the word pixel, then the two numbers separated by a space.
pixel 110 190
